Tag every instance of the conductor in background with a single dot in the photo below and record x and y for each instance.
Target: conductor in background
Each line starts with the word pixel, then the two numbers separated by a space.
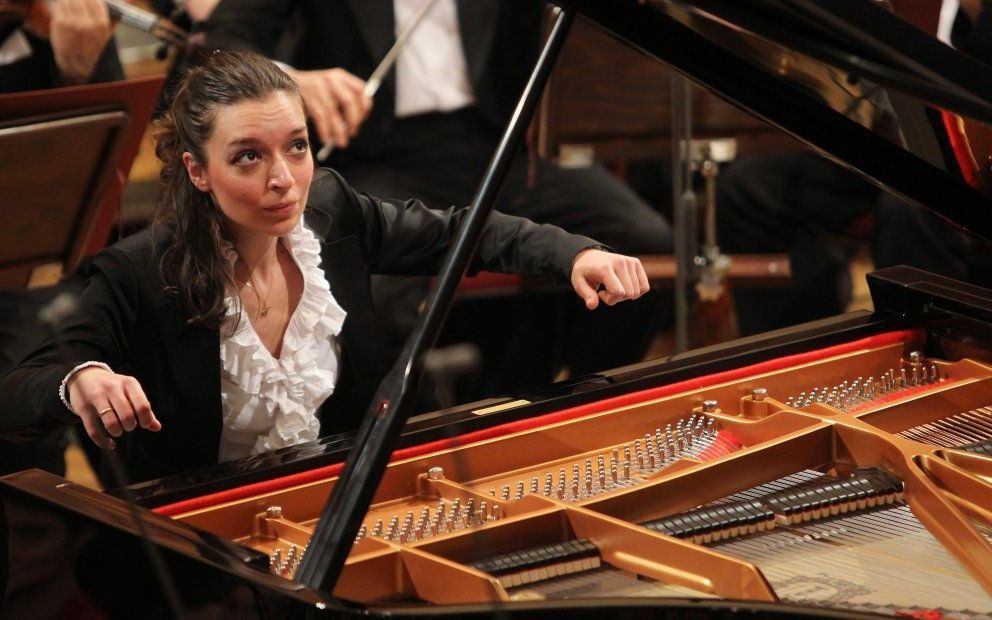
pixel 430 132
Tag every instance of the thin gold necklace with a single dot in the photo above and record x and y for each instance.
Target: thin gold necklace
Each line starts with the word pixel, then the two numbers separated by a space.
pixel 263 306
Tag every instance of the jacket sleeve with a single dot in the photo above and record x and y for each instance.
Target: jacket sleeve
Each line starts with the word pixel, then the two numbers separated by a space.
pixel 108 68
pixel 256 25
pixel 407 238
pixel 974 37
pixel 97 330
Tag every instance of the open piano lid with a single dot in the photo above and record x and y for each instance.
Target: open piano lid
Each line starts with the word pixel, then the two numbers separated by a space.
pixel 850 79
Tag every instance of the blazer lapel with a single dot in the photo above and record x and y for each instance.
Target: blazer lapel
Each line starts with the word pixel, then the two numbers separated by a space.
pixel 348 278
pixel 375 21
pixel 477 21
pixel 197 384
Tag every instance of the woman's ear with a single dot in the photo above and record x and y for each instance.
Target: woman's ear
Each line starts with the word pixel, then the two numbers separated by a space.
pixel 197 173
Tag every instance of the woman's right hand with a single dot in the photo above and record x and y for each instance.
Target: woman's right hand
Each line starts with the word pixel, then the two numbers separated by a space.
pixel 109 405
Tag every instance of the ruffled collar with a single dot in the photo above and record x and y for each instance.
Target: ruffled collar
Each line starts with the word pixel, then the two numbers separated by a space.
pixel 282 393
pixel 317 307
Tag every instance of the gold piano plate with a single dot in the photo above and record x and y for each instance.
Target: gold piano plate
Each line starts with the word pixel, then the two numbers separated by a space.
pixel 437 517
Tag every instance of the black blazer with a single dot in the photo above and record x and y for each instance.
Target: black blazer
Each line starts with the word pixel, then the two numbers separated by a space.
pixel 126 320
pixel 499 37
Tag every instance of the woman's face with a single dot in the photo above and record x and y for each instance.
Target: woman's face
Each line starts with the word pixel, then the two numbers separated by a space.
pixel 258 164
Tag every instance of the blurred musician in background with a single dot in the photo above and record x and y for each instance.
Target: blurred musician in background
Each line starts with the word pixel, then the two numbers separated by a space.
pixel 189 13
pixel 430 133
pixel 811 208
pixel 967 25
pixel 240 323
pixel 802 204
pixel 191 16
pixel 74 45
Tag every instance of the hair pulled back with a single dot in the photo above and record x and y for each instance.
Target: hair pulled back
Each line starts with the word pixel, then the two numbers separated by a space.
pixel 189 229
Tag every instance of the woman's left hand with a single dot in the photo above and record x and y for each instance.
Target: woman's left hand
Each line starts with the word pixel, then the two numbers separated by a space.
pixel 611 277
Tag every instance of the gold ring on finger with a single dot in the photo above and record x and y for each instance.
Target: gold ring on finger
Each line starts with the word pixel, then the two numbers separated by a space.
pixel 103 412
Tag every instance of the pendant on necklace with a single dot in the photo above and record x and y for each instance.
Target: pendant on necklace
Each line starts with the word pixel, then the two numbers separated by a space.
pixel 265 310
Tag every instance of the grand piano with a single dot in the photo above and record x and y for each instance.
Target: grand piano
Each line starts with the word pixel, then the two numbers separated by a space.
pixel 841 468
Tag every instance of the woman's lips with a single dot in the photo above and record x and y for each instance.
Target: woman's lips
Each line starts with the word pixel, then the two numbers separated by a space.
pixel 284 208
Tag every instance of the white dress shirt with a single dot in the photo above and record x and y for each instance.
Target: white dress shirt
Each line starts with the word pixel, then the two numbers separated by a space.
pixel 270 403
pixel 948 11
pixel 431 74
pixel 14 48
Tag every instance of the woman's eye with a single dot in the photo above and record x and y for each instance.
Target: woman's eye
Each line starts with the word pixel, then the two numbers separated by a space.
pixel 246 157
pixel 300 146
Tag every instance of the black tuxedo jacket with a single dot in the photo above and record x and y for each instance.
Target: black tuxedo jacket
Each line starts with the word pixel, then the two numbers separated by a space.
pixel 126 320
pixel 499 37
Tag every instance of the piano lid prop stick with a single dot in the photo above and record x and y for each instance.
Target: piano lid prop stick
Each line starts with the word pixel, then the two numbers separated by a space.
pixel 375 80
pixel 343 513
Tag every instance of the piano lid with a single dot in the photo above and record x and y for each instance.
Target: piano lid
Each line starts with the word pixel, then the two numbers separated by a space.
pixel 850 79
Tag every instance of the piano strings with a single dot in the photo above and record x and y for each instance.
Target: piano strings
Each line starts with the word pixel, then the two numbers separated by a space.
pixel 954 431
pixel 869 561
pixel 848 541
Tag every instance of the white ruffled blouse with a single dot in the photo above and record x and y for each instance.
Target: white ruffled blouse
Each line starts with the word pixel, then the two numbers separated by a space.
pixel 271 403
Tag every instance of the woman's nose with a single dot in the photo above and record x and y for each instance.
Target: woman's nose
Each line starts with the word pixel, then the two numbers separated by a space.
pixel 280 176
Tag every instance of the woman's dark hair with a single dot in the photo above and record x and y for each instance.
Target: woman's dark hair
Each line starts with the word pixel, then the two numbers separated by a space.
pixel 189 229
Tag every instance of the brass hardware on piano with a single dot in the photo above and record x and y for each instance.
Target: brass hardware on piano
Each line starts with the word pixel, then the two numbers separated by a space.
pixel 693 439
pixel 852 395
